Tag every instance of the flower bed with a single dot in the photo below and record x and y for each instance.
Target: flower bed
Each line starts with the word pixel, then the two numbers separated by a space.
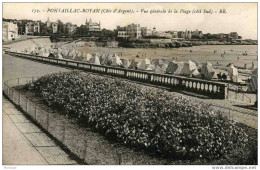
pixel 150 120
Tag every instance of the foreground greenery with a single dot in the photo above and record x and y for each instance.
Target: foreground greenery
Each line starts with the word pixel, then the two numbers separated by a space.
pixel 151 120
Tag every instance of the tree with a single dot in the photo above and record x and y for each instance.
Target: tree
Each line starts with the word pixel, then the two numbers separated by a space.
pixel 61 30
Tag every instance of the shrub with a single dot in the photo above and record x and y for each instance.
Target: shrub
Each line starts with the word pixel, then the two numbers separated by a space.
pixel 152 120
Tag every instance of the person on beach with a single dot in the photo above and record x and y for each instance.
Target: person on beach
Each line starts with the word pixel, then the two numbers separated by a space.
pixel 224 76
pixel 219 76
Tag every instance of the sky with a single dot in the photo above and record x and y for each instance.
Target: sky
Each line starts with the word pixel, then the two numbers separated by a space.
pixel 239 17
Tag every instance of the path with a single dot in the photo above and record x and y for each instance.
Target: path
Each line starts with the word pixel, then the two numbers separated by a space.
pixel 25 144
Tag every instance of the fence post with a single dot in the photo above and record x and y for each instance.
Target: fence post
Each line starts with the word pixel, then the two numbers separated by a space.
pixel 8 91
pixel 229 114
pixel 35 113
pixel 106 70
pixel 26 108
pixel 64 129
pixel 236 92
pixel 19 96
pixel 13 96
pixel 125 73
pixel 149 77
pixel 86 145
pixel 119 155
pixel 48 121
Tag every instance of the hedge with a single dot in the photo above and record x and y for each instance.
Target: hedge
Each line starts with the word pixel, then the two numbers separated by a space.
pixel 153 120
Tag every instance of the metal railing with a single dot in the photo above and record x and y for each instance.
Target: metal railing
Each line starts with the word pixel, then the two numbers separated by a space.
pixel 57 125
pixel 209 88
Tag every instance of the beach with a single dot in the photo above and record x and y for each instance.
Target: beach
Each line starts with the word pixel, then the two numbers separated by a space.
pixel 200 54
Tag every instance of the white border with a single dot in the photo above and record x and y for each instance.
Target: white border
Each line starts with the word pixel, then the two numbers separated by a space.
pixel 154 167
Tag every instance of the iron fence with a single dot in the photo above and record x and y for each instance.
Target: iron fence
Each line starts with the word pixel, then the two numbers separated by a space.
pixel 57 125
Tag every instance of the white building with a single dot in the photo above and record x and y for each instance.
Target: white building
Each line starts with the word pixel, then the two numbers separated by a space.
pixel 70 28
pixel 122 34
pixel 54 27
pixel 93 26
pixel 48 23
pixel 187 34
pixel 154 32
pixel 175 34
pixel 10 31
pixel 32 27
pixel 133 30
pixel 146 31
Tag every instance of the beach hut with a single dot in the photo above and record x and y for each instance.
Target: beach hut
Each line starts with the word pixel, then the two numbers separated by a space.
pixel 150 68
pixel 208 71
pixel 174 67
pixel 143 64
pixel 59 56
pixel 97 54
pixel 86 57
pixel 78 56
pixel 41 53
pixel 158 70
pixel 195 73
pixel 103 57
pixel 116 61
pixel 46 54
pixel 51 55
pixel 133 64
pixel 252 86
pixel 65 52
pixel 70 53
pixel 158 62
pixel 164 67
pixel 95 60
pixel 108 60
pixel 125 62
pixel 27 51
pixel 74 55
pixel 233 74
pixel 189 69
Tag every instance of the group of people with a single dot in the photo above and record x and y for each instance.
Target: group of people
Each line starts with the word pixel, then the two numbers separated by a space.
pixel 222 76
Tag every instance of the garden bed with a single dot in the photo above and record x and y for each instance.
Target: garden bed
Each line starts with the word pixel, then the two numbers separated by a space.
pixel 108 148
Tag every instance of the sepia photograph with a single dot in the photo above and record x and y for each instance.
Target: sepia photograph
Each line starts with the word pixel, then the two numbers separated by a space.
pixel 129 83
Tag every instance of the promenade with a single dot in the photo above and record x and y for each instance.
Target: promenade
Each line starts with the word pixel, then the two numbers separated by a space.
pixel 25 144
